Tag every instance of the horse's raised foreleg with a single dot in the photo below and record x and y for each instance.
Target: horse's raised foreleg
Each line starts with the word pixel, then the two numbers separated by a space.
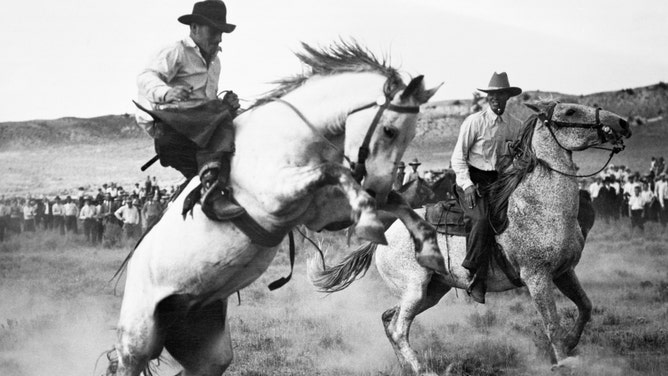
pixel 363 206
pixel 569 285
pixel 422 232
pixel 540 288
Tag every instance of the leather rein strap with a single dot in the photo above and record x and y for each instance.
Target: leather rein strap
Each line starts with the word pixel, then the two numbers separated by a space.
pixel 600 129
pixel 358 168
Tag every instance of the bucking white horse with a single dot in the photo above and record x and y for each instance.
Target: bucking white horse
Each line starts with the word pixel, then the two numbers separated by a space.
pixel 288 169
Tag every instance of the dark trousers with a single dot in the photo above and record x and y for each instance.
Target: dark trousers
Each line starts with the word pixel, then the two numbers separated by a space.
pixel 59 224
pixel 480 238
pixel 637 220
pixel 3 226
pixel 178 151
pixel 71 224
pixel 89 228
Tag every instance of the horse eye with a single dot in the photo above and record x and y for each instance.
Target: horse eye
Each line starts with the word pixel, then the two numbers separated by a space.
pixel 390 132
pixel 570 111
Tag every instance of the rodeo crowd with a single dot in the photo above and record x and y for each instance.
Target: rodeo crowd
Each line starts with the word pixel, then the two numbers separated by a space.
pixel 107 215
pixel 617 192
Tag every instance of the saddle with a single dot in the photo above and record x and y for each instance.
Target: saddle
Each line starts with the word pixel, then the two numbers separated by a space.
pixel 447 216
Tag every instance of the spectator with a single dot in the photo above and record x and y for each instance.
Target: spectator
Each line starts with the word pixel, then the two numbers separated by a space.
pixel 15 216
pixel 399 177
pixel 148 186
pixel 4 218
pixel 48 214
pixel 71 212
pixel 129 215
pixel 607 198
pixel 649 199
pixel 151 212
pixel 414 174
pixel 58 211
pixel 88 215
pixel 662 198
pixel 29 216
pixel 637 210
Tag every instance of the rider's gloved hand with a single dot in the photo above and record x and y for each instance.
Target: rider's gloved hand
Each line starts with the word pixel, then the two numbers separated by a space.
pixel 178 94
pixel 232 100
pixel 470 196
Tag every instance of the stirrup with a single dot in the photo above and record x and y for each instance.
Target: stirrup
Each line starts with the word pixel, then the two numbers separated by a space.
pixel 208 201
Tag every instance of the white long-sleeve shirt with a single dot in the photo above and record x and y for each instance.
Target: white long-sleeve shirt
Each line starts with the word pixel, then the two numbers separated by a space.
pixel 483 137
pixel 180 64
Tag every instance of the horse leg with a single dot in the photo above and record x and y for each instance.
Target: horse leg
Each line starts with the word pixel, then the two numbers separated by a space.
pixel 417 297
pixel 569 285
pixel 138 343
pixel 540 288
pixel 199 340
pixel 427 252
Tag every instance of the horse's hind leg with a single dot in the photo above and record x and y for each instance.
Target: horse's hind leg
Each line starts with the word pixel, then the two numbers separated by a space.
pixel 200 340
pixel 569 285
pixel 417 297
pixel 540 288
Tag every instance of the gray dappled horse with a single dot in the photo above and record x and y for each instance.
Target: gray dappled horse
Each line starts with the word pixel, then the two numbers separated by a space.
pixel 288 170
pixel 543 241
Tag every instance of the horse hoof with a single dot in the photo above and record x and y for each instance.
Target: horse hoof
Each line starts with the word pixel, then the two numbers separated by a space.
pixel 375 234
pixel 433 261
pixel 566 363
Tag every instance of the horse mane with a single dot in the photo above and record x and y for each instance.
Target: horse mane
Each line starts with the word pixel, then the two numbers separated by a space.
pixel 513 168
pixel 341 57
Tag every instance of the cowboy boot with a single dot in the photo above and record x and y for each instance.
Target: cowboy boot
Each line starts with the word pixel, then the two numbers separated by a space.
pixel 478 286
pixel 216 197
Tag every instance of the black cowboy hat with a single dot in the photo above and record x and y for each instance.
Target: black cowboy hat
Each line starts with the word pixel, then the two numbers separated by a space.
pixel 499 83
pixel 209 12
pixel 415 162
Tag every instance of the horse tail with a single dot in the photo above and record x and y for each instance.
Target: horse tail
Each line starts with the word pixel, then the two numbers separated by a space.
pixel 338 277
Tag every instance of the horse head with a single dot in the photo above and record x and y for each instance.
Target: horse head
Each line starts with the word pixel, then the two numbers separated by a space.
pixel 578 127
pixel 379 134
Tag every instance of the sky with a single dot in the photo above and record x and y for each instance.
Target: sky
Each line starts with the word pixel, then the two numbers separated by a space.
pixel 81 58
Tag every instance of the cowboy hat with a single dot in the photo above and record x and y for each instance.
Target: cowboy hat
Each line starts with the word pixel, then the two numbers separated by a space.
pixel 499 83
pixel 415 162
pixel 401 165
pixel 211 13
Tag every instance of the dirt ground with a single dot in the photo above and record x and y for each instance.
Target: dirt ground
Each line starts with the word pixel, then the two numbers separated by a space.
pixel 59 310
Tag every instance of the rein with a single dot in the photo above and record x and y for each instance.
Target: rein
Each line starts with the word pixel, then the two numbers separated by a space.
pixel 358 168
pixel 600 129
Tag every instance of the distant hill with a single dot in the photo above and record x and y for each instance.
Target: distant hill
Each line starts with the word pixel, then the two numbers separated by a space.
pixel 68 130
pixel 57 156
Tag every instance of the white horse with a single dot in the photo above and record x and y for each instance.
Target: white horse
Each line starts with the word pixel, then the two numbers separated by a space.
pixel 543 241
pixel 288 170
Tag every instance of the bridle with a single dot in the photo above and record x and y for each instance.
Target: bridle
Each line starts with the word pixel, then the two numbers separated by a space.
pixel 384 103
pixel 600 128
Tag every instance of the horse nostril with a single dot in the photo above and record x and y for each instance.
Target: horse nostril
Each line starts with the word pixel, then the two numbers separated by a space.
pixel 371 193
pixel 624 124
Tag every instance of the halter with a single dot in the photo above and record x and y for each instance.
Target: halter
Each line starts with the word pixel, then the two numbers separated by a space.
pixel 601 129
pixel 358 168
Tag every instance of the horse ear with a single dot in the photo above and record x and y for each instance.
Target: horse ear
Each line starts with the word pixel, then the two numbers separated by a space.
pixel 532 107
pixel 424 95
pixel 539 107
pixel 413 87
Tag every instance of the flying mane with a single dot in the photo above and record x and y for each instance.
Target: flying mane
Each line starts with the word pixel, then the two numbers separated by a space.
pixel 513 168
pixel 341 57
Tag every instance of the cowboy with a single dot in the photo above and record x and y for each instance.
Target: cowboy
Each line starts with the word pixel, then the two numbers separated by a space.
pixel 399 177
pixel 185 76
pixel 482 139
pixel 414 174
pixel 71 212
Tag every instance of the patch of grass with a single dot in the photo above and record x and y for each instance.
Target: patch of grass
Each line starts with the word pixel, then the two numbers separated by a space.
pixel 483 321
